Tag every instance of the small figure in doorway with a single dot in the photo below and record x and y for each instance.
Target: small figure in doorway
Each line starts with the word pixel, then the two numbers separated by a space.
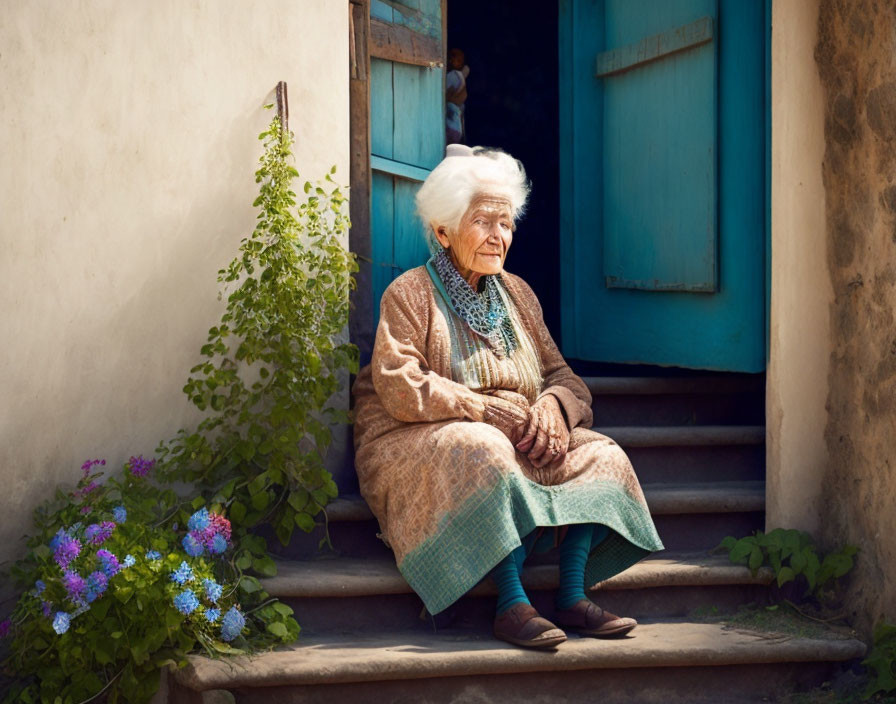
pixel 455 96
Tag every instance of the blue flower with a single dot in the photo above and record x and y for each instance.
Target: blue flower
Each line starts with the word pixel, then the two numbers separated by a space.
pixel 199 520
pixel 39 587
pixel 212 615
pixel 232 624
pixel 129 561
pixel 108 563
pixel 60 534
pixel 120 514
pixel 153 555
pixel 213 590
pixel 186 602
pixel 217 544
pixel 61 622
pixel 192 546
pixel 96 586
pixel 182 574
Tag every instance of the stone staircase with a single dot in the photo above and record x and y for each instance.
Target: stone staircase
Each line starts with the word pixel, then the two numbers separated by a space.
pixel 697 444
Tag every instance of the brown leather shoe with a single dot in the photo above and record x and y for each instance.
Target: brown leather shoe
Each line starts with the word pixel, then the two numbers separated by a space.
pixel 588 619
pixel 521 625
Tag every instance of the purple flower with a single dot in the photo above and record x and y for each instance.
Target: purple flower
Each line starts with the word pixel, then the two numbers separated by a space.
pixel 47 608
pixel 120 514
pixel 90 464
pixel 61 622
pixel 98 533
pixel 85 510
pixel 74 584
pixel 84 491
pixel 199 520
pixel 153 555
pixel 5 625
pixel 182 574
pixel 212 615
pixel 96 586
pixel 186 602
pixel 129 561
pixel 67 549
pixel 192 544
pixel 213 590
pixel 232 624
pixel 140 467
pixel 108 563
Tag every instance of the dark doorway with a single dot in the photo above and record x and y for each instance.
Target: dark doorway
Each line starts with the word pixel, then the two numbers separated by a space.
pixel 512 103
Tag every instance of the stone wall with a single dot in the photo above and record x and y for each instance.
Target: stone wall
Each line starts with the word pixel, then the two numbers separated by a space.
pixel 856 56
pixel 126 181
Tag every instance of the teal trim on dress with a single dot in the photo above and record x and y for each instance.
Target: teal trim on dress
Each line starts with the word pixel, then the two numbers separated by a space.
pixel 488 526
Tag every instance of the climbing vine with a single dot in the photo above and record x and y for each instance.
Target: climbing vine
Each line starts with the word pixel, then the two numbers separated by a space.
pixel 272 364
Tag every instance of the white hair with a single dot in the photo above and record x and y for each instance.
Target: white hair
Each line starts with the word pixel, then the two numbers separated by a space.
pixel 449 189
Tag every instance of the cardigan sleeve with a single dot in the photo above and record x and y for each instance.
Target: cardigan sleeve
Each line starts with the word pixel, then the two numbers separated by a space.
pixel 558 379
pixel 406 386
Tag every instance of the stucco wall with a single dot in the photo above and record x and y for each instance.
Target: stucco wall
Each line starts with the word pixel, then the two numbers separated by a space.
pixel 128 148
pixel 800 284
pixel 856 56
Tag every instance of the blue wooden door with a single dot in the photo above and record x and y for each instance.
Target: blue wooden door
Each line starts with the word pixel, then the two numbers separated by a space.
pixel 407 138
pixel 663 206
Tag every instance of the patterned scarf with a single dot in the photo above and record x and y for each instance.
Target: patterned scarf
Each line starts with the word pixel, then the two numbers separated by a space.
pixel 484 312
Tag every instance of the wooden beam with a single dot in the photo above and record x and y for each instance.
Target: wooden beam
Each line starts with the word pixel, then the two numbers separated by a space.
pixel 359 238
pixel 396 43
pixel 649 49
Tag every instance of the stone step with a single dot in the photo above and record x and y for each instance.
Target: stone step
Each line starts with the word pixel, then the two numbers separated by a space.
pixel 696 497
pixel 661 661
pixel 347 577
pixel 688 516
pixel 664 585
pixel 701 384
pixel 697 400
pixel 684 436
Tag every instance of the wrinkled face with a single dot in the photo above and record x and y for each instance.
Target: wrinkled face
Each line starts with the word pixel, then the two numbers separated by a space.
pixel 480 244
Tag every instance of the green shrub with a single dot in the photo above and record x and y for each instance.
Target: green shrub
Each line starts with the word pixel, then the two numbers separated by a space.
pixel 791 554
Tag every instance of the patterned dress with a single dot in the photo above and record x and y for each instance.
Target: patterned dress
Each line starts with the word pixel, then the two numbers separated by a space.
pixel 452 495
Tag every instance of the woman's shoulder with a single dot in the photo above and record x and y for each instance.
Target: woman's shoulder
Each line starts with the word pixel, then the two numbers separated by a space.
pixel 413 287
pixel 517 285
pixel 416 279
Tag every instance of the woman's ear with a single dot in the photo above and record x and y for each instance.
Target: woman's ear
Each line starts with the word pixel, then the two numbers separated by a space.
pixel 441 233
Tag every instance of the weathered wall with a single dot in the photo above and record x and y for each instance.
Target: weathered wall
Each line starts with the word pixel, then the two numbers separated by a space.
pixel 800 288
pixel 126 181
pixel 856 56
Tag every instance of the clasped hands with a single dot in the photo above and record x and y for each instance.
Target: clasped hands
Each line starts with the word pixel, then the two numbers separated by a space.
pixel 538 431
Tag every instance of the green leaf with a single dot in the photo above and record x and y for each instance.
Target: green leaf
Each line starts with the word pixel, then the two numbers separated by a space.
pixel 250 585
pixel 265 566
pixel 278 629
pixel 785 575
pixel 741 550
pixel 282 609
pixel 305 522
pixel 260 501
pixel 755 559
pixel 237 512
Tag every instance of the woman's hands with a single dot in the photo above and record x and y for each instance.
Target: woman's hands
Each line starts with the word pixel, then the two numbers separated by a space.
pixel 546 439
pixel 508 412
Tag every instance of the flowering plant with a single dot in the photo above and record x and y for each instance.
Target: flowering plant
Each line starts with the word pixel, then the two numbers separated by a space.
pixel 114 590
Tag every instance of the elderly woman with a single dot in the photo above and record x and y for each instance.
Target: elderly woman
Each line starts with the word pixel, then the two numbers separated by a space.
pixel 473 435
